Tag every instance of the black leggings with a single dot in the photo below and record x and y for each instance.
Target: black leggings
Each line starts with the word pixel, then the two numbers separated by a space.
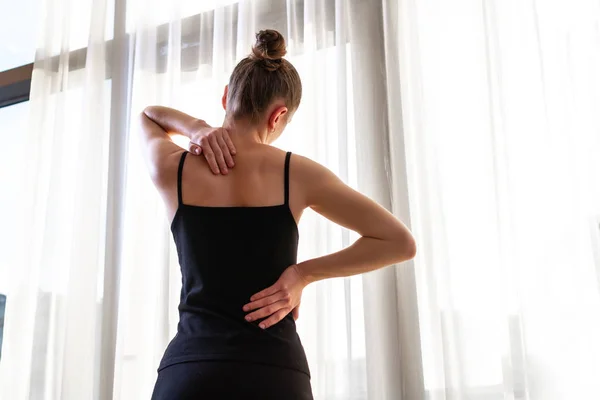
pixel 230 380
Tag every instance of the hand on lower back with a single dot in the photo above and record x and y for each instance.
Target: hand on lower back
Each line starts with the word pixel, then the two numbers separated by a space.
pixel 278 300
pixel 216 146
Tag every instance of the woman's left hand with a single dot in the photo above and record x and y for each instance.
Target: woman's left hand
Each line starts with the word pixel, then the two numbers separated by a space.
pixel 278 300
pixel 216 146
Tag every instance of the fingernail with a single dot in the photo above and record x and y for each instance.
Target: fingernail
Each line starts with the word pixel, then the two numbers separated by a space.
pixel 225 171
pixel 262 326
pixel 248 318
pixel 246 308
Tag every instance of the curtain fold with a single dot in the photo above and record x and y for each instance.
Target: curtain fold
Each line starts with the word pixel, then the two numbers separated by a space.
pixel 392 336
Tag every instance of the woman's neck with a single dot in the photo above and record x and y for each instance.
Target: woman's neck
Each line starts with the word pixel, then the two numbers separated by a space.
pixel 242 132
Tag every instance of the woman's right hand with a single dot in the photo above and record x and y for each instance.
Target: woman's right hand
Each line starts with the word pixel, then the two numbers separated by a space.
pixel 216 146
pixel 275 302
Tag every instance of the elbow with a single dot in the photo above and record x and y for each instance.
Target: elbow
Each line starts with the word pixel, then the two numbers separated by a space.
pixel 154 113
pixel 407 247
pixel 145 115
pixel 142 117
pixel 148 112
pixel 411 248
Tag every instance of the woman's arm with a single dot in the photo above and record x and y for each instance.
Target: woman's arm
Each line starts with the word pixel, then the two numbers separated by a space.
pixel 214 143
pixel 174 121
pixel 384 241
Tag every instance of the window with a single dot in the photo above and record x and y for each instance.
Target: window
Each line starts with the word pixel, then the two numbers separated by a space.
pixel 13 120
pixel 15 75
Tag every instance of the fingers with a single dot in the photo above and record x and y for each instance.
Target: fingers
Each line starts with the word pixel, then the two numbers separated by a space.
pixel 265 301
pixel 275 318
pixel 296 313
pixel 226 152
pixel 264 293
pixel 228 142
pixel 218 153
pixel 210 156
pixel 266 311
pixel 218 149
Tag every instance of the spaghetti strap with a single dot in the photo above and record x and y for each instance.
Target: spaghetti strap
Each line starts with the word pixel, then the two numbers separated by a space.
pixel 179 173
pixel 287 177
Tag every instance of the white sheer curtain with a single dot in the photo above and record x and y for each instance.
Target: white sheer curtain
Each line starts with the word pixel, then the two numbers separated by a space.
pixel 54 303
pixel 501 122
pixel 476 122
pixel 95 300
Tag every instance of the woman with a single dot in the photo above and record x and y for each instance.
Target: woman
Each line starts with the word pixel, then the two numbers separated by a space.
pixel 236 236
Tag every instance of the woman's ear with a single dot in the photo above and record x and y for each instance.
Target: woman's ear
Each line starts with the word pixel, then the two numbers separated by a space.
pixel 224 98
pixel 277 118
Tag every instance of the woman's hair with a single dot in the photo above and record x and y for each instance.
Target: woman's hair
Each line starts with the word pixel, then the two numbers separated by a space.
pixel 262 77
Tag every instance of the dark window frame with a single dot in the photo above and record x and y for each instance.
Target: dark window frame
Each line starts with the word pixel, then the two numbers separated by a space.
pixel 15 85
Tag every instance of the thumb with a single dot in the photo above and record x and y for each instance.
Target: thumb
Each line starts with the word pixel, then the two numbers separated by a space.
pixel 296 312
pixel 195 149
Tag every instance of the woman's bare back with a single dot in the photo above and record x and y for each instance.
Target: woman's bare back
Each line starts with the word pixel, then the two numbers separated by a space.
pixel 256 181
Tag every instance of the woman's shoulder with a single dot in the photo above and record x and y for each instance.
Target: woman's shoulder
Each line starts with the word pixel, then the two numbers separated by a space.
pixel 307 169
pixel 261 156
pixel 300 166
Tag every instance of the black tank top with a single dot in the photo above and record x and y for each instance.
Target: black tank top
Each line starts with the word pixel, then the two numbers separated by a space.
pixel 226 255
